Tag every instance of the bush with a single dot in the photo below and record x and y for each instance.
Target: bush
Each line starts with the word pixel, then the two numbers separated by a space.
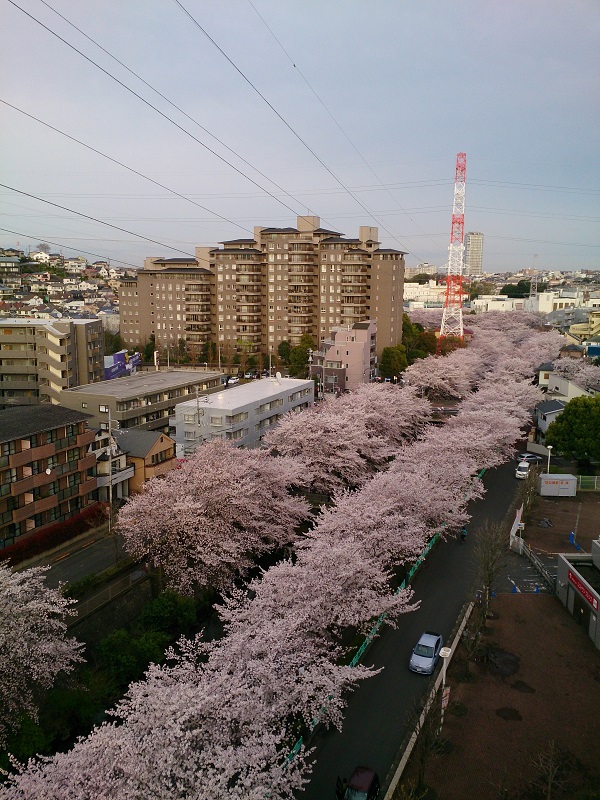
pixel 170 613
pixel 126 657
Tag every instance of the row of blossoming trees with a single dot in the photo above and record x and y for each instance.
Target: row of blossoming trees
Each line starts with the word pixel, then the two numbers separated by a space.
pixel 218 720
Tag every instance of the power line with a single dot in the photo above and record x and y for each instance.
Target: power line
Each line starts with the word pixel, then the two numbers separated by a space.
pixel 170 102
pixel 124 166
pixel 332 117
pixel 154 108
pixel 286 123
pixel 60 244
pixel 95 219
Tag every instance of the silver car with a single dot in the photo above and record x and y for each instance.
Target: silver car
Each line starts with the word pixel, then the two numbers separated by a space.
pixel 426 653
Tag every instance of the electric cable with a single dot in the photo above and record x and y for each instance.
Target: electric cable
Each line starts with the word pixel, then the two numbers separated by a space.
pixel 333 118
pixel 60 244
pixel 102 222
pixel 154 108
pixel 287 124
pixel 130 169
pixel 170 102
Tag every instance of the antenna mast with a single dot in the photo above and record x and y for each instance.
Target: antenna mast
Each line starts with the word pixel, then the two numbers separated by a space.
pixel 452 321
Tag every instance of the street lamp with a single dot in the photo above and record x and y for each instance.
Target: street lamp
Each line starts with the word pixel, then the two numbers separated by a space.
pixel 445 654
pixel 549 454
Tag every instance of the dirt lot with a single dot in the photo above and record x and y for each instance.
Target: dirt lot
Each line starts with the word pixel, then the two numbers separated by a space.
pixel 580 514
pixel 554 696
pixel 498 726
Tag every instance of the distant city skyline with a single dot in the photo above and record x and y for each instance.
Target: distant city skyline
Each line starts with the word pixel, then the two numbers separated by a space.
pixel 359 119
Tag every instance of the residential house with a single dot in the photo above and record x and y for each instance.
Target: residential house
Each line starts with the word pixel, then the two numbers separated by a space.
pixel 545 413
pixel 112 471
pixel 348 359
pixel 150 453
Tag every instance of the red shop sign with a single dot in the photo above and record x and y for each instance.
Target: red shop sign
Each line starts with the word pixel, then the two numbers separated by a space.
pixel 583 590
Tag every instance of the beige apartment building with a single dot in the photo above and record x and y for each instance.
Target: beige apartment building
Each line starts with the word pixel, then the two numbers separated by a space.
pixel 252 294
pixel 39 359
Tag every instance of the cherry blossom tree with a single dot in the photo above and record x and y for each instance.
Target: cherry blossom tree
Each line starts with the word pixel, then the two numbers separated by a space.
pixel 386 410
pixel 34 647
pixel 334 453
pixel 578 371
pixel 206 522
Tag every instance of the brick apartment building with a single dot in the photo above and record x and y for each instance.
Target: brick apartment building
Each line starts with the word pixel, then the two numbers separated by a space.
pixel 46 472
pixel 252 294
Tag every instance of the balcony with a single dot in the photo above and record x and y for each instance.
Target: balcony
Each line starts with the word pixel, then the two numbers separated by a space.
pixel 154 470
pixel 30 482
pixel 32 454
pixel 86 463
pixel 86 487
pixel 28 510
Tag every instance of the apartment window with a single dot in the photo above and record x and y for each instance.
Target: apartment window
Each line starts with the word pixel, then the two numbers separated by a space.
pixel 103 409
pixel 216 420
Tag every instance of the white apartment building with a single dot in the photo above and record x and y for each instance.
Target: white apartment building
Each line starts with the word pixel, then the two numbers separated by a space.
pixel 242 414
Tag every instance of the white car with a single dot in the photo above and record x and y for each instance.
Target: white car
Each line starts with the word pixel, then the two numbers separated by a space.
pixel 522 470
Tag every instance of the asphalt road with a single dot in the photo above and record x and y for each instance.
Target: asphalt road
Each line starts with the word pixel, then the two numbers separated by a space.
pixel 80 558
pixel 376 717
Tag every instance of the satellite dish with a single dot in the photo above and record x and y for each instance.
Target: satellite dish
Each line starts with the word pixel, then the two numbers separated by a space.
pixel 48 471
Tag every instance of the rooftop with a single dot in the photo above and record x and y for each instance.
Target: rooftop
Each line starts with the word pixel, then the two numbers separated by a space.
pixel 145 383
pixel 250 393
pixel 138 444
pixel 22 421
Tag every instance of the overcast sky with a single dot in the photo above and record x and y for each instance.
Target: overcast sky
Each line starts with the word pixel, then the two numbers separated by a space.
pixel 349 110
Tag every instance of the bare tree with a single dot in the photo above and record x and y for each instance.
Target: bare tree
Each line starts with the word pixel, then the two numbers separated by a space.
pixel 529 492
pixel 491 546
pixel 550 765
pixel 43 248
pixel 424 721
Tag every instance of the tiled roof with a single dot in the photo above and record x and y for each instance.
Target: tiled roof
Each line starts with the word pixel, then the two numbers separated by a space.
pixel 22 421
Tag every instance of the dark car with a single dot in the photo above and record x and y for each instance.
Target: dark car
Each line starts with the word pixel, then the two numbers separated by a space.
pixel 363 785
pixel 531 458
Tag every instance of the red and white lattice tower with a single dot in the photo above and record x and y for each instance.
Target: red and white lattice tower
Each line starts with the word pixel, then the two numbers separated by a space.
pixel 452 320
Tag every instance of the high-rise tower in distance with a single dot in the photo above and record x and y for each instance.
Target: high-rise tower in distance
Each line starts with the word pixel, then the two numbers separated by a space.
pixel 473 254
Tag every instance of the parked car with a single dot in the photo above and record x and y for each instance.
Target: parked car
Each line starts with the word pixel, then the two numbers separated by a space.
pixel 249 375
pixel 522 470
pixel 363 785
pixel 426 653
pixel 531 458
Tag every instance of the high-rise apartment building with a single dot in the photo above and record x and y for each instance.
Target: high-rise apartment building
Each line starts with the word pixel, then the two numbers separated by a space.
pixel 40 358
pixel 473 254
pixel 252 294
